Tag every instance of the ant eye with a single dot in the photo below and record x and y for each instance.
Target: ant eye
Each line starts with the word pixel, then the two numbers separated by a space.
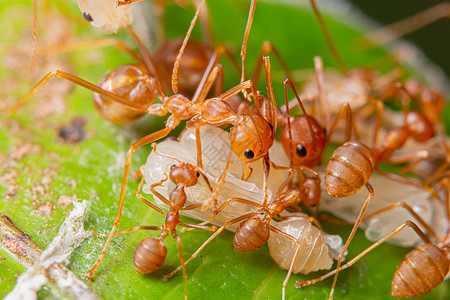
pixel 271 127
pixel 301 151
pixel 172 167
pixel 198 174
pixel 249 154
pixel 88 17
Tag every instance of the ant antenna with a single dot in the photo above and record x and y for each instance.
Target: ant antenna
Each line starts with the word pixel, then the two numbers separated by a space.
pixel 176 66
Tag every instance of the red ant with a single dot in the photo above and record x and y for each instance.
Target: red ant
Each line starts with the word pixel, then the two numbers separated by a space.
pixel 422 269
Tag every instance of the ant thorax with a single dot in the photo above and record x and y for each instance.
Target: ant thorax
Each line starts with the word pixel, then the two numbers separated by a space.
pixel 215 148
pixel 387 193
pixel 105 14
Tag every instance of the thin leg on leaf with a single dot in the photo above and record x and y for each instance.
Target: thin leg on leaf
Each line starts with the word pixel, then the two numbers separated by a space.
pixel 352 234
pixel 133 229
pixel 183 267
pixel 141 142
pixel 241 218
pixel 79 81
pixel 300 284
pixel 294 258
pixel 88 45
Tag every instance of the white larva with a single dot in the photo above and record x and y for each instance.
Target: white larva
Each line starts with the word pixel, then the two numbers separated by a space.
pixel 106 14
pixel 317 249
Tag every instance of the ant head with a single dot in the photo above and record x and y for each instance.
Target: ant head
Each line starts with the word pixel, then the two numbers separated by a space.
pixel 184 173
pixel 251 138
pixel 306 146
pixel 418 126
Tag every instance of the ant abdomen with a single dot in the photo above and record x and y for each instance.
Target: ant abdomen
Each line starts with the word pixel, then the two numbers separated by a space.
pixel 348 169
pixel 126 82
pixel 251 235
pixel 149 255
pixel 421 271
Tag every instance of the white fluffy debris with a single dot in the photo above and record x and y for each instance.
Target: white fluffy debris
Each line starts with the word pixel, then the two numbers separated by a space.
pixel 49 269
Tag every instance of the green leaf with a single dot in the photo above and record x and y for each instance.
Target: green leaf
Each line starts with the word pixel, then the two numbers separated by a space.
pixel 37 169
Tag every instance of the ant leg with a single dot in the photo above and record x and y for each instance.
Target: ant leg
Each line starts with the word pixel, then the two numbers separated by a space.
pixel 79 81
pixel 318 66
pixel 248 27
pixel 126 2
pixel 294 258
pixel 328 38
pixel 34 35
pixel 208 78
pixel 379 107
pixel 89 44
pixel 147 202
pixel 412 160
pixel 300 284
pixel 176 66
pixel 221 207
pixel 228 224
pixel 141 142
pixel 183 267
pixel 350 124
pixel 215 193
pixel 286 182
pixel 197 226
pixel 410 210
pixel 133 229
pixel 444 183
pixel 149 63
pixel 403 27
pixel 237 89
pixel 266 48
pixel 405 180
pixel 352 234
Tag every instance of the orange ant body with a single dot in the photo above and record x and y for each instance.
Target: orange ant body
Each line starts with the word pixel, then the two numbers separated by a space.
pixel 422 269
pixel 352 164
pixel 151 252
pixel 254 228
